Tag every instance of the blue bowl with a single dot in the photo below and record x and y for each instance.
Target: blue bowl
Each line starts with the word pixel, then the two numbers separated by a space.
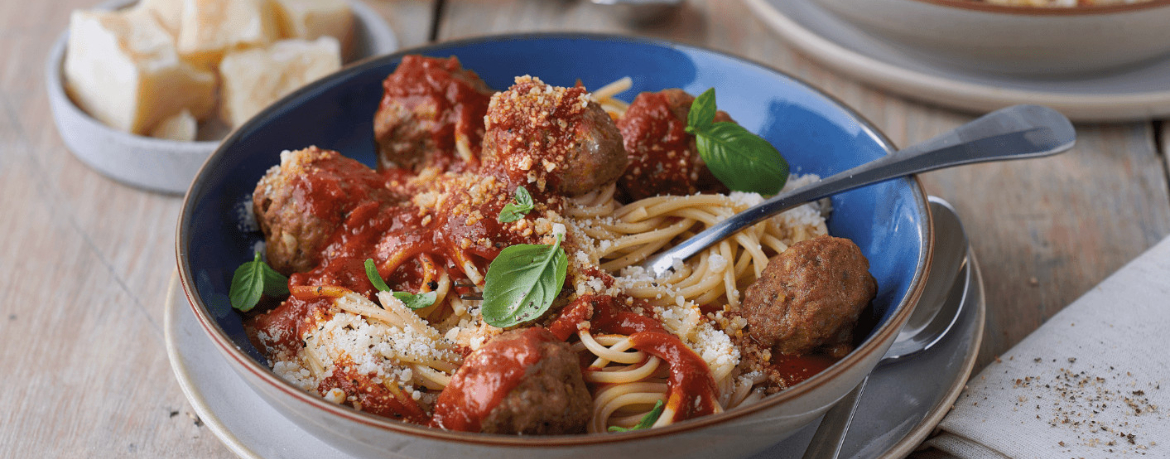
pixel 816 133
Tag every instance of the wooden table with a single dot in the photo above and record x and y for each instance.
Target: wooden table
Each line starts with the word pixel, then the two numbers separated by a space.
pixel 84 261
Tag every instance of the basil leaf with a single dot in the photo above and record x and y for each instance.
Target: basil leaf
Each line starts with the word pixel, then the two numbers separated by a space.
pixel 522 282
pixel 648 420
pixel 253 279
pixel 375 278
pixel 416 301
pixel 520 206
pixel 411 300
pixel 702 112
pixel 741 160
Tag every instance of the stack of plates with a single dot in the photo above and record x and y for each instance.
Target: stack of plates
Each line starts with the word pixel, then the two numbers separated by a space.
pixel 1134 93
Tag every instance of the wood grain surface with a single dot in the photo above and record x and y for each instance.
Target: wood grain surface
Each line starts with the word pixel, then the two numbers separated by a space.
pixel 84 263
pixel 84 260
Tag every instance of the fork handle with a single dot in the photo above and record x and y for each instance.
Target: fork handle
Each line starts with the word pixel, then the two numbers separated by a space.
pixel 1016 132
pixel 830 435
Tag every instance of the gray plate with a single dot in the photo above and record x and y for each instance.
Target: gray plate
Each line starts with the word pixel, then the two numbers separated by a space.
pixel 1135 93
pixel 901 405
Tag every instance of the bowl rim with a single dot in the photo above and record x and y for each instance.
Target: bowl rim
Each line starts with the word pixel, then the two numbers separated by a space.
pixel 243 362
pixel 1094 10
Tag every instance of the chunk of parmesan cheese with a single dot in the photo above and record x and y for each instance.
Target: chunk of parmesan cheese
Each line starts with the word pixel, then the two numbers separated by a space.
pixel 255 78
pixel 181 127
pixel 169 13
pixel 313 19
pixel 210 28
pixel 122 69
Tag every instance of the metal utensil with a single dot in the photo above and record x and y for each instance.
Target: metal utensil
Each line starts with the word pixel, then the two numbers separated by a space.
pixel 936 313
pixel 1017 132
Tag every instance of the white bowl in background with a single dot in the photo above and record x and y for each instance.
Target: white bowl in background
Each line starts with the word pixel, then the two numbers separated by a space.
pixel 162 165
pixel 993 38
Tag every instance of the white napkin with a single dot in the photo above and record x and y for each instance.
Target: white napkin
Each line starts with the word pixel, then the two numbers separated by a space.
pixel 1094 381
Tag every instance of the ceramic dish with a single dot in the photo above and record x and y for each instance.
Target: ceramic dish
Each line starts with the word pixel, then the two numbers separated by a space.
pixel 158 164
pixel 1136 93
pixel 889 221
pixel 994 38
pixel 901 405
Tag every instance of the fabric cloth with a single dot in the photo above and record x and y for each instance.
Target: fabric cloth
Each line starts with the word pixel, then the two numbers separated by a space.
pixel 1092 382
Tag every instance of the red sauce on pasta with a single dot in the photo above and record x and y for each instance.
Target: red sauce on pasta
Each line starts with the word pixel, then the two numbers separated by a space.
pixel 415 238
pixel 791 369
pixel 381 225
pixel 488 375
pixel 692 387
pixel 603 315
pixel 372 397
pixel 288 322
pixel 650 130
pixel 663 159
pixel 441 86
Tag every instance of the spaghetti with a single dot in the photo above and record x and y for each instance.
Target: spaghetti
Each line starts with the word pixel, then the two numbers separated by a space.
pixel 434 228
pixel 624 235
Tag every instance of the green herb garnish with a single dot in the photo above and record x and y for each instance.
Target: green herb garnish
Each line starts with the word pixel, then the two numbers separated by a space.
pixel 520 206
pixel 253 279
pixel 375 278
pixel 741 160
pixel 416 300
pixel 648 420
pixel 522 282
pixel 411 300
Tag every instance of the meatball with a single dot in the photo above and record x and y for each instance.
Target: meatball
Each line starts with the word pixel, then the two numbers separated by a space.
pixel 521 382
pixel 302 202
pixel 431 114
pixel 810 297
pixel 552 136
pixel 663 157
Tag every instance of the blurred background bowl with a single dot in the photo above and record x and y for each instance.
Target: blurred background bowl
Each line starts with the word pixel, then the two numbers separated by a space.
pixel 1039 41
pixel 163 165
pixel 889 221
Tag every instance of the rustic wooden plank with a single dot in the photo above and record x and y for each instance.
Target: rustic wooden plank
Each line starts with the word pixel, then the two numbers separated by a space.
pixel 695 22
pixel 1046 231
pixel 86 370
pixel 85 262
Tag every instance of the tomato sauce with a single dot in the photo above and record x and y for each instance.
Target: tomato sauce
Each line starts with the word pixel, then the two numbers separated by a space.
pixel 372 397
pixel 791 369
pixel 287 323
pixel 448 102
pixel 488 375
pixel 380 223
pixel 536 136
pixel 368 215
pixel 375 219
pixel 663 158
pixel 692 390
